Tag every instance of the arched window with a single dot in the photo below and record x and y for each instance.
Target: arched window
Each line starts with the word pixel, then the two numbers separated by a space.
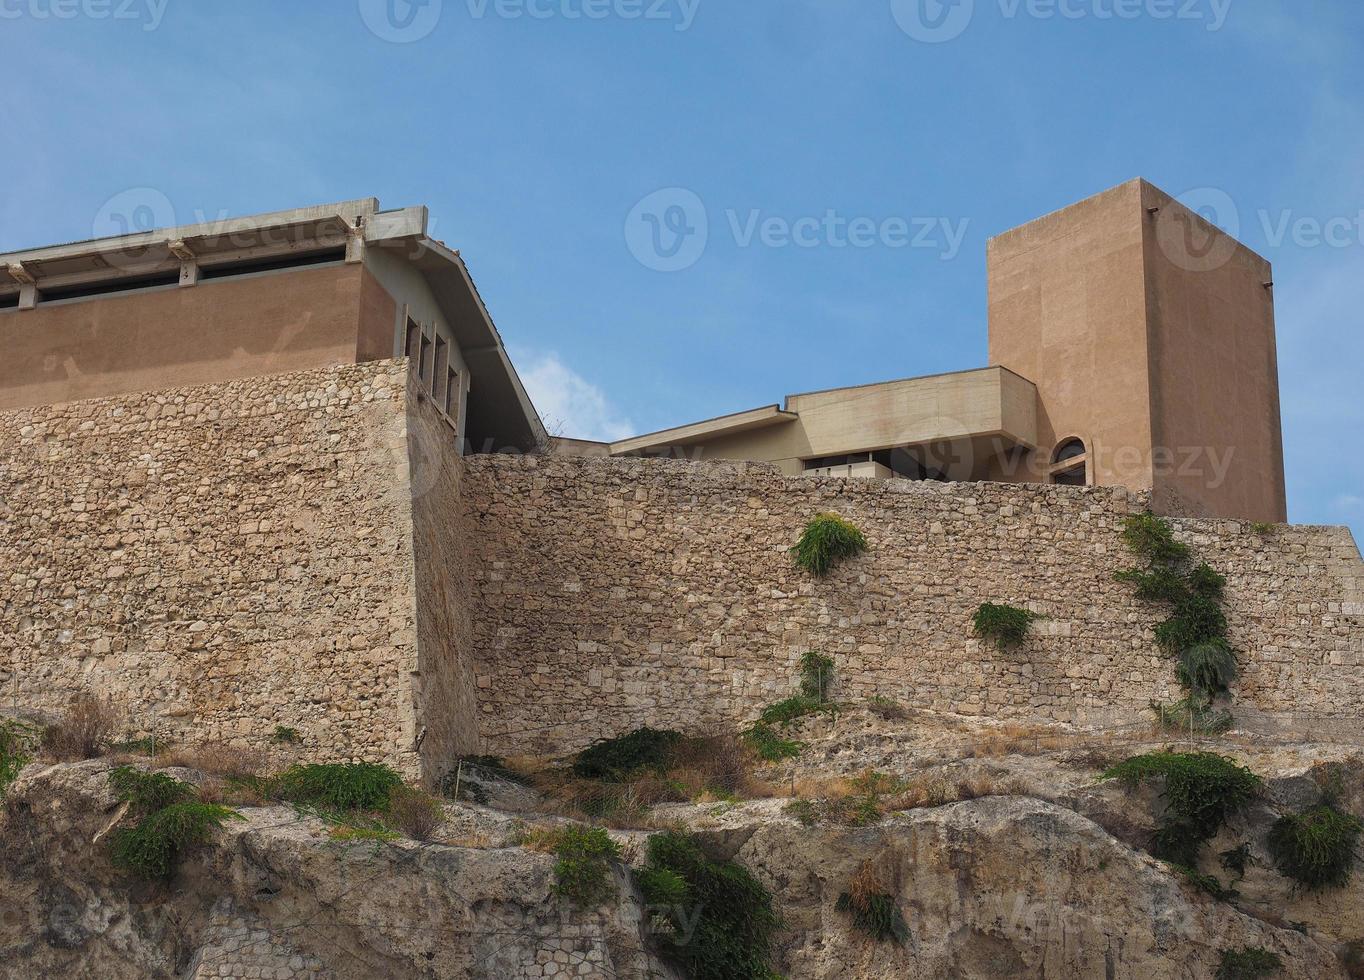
pixel 1070 463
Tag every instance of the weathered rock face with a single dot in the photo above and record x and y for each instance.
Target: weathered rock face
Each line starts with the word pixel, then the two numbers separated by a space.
pixel 276 898
pixel 997 887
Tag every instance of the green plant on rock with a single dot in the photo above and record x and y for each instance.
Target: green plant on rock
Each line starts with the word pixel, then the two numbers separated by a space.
pixel 172 820
pixel 618 759
pixel 1251 963
pixel 344 786
pixel 770 745
pixel 827 540
pixel 1195 632
pixel 1192 715
pixel 284 735
pixel 1202 792
pixel 816 676
pixel 582 872
pixel 714 919
pixel 18 741
pixel 148 791
pixel 1005 626
pixel 1316 848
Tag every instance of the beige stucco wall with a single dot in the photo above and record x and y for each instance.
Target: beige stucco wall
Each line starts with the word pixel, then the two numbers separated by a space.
pixel 1214 366
pixel 269 323
pixel 987 404
pixel 219 560
pixel 612 593
pixel 1156 350
pixel 1067 299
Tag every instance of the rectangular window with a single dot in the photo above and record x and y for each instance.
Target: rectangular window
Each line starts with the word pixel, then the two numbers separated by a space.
pixel 424 367
pixel 451 392
pixel 440 369
pixel 414 332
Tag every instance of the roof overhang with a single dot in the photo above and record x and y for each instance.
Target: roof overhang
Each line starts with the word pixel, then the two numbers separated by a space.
pixel 725 425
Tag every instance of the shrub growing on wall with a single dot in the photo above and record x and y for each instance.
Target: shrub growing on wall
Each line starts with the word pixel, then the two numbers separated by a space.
pixel 172 820
pixel 1195 632
pixel 1316 848
pixel 827 540
pixel 1005 626
pixel 1202 791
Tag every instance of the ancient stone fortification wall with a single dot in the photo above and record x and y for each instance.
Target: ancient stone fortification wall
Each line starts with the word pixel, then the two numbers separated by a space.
pixel 612 593
pixel 219 560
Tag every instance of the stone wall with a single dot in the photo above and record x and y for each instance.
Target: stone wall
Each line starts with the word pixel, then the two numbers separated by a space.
pixel 218 561
pixel 442 550
pixel 614 593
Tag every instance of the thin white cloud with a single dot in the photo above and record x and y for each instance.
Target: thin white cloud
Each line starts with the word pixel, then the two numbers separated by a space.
pixel 1348 501
pixel 569 404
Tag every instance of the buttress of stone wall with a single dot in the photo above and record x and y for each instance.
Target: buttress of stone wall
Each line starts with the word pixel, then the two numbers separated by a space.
pixel 442 547
pixel 616 593
pixel 218 561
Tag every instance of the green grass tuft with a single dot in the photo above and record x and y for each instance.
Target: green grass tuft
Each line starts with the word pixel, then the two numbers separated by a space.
pixel 344 786
pixel 148 792
pixel 827 540
pixel 1316 848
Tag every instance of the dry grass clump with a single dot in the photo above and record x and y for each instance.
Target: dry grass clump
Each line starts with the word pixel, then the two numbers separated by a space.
pixel 217 759
pixel 696 769
pixel 82 731
pixel 415 813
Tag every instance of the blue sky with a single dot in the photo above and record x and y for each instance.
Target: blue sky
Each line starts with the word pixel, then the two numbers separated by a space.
pixel 533 128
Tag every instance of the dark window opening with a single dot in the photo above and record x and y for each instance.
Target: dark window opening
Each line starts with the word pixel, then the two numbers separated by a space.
pixel 414 332
pixel 116 286
pixel 451 392
pixel 294 261
pixel 904 463
pixel 424 364
pixel 1070 478
pixel 9 302
pixel 440 370
pixel 1070 449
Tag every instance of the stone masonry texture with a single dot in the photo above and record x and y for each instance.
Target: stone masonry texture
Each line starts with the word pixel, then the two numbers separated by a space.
pixel 218 561
pixel 309 550
pixel 616 593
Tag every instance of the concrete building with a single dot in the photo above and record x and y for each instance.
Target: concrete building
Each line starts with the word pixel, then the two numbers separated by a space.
pixel 275 293
pixel 1131 344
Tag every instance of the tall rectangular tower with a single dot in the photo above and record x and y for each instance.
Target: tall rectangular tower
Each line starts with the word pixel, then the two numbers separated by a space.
pixel 1149 334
